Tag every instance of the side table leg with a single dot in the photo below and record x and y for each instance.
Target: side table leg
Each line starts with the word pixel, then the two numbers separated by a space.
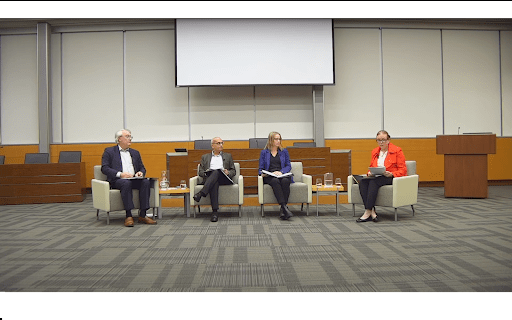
pixel 337 200
pixel 317 202
pixel 159 214
pixel 187 204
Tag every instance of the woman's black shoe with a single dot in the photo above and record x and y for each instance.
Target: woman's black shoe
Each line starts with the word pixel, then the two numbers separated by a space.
pixel 376 219
pixel 287 213
pixel 364 220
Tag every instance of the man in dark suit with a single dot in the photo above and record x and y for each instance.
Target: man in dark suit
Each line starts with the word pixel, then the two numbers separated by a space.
pixel 210 162
pixel 120 163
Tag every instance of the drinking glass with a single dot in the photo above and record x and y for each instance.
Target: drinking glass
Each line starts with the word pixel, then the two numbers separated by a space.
pixel 328 177
pixel 318 182
pixel 338 182
pixel 183 184
pixel 164 183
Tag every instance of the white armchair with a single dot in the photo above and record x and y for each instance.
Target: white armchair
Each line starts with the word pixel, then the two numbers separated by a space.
pixel 106 199
pixel 300 191
pixel 228 194
pixel 403 191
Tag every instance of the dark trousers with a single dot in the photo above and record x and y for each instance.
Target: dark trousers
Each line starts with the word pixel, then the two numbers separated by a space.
pixel 281 187
pixel 368 189
pixel 126 186
pixel 211 186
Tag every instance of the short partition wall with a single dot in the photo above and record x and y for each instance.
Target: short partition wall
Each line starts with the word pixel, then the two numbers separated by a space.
pixel 42 183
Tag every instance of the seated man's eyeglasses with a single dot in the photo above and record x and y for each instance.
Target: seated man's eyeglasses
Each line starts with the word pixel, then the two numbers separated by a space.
pixel 379 141
pixel 128 137
pixel 219 143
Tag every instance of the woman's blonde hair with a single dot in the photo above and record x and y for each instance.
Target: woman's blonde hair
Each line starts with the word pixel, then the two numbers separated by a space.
pixel 270 141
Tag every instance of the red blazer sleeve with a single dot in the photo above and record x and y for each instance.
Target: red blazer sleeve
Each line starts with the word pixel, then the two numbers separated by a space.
pixel 395 160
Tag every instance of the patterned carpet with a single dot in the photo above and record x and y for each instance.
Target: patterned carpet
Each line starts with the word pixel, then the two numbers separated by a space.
pixel 450 245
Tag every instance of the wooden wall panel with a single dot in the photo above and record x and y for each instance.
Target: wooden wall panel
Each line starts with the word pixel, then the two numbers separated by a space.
pixel 430 166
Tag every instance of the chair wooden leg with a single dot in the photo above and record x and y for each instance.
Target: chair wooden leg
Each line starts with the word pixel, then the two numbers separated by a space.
pixel 353 210
pixel 302 207
pixel 307 209
pixel 108 218
pixel 262 211
pixel 396 215
pixel 412 206
pixel 194 211
pixel 98 214
pixel 239 211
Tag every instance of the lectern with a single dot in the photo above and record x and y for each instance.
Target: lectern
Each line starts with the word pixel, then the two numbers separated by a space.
pixel 465 163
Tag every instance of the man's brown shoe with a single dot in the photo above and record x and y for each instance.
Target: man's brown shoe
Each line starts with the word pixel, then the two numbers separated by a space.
pixel 128 222
pixel 146 220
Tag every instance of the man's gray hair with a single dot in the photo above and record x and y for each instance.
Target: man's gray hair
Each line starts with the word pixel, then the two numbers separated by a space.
pixel 120 133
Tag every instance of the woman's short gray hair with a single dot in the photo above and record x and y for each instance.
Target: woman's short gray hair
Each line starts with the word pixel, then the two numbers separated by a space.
pixel 120 133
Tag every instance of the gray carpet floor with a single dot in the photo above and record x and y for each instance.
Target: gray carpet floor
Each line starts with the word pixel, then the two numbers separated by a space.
pixel 450 245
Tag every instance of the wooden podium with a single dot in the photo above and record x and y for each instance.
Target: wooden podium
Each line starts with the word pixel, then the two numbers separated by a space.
pixel 465 163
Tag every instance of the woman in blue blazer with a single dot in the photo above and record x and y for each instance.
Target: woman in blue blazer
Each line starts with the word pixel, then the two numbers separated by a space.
pixel 274 158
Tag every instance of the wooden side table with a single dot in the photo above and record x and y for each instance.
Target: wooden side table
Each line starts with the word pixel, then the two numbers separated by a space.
pixel 328 190
pixel 176 192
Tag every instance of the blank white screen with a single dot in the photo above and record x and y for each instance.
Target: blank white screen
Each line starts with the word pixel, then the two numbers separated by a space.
pixel 219 52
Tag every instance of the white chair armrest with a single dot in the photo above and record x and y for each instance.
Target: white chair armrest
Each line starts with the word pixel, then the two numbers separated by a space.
pixel 308 179
pixel 260 189
pixel 405 190
pixel 193 182
pixel 156 186
pixel 240 190
pixel 100 194
pixel 350 182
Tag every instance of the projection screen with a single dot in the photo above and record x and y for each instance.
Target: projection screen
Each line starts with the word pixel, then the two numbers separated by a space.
pixel 238 52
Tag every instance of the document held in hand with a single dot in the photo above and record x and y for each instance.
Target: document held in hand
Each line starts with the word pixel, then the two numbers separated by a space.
pixel 289 174
pixel 209 171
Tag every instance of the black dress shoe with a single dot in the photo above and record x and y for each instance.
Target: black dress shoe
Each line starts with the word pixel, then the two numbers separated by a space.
pixel 376 219
pixel 281 214
pixel 287 213
pixel 214 218
pixel 197 196
pixel 364 220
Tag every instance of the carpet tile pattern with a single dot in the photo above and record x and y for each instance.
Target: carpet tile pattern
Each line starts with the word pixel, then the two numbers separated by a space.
pixel 450 245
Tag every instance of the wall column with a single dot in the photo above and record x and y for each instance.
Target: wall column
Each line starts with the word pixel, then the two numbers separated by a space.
pixel 43 86
pixel 318 116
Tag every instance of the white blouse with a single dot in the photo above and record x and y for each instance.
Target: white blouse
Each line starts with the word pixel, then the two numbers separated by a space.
pixel 382 157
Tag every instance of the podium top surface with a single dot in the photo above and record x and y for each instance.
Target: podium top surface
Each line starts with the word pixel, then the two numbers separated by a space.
pixel 466 144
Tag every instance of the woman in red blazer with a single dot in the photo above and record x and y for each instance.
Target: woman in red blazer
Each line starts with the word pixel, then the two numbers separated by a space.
pixel 385 155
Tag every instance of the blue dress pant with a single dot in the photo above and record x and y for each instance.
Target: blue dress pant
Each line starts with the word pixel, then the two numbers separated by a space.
pixel 126 186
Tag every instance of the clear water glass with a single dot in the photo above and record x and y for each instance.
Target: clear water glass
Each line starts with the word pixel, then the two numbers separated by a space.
pixel 164 183
pixel 328 179
pixel 338 182
pixel 183 184
pixel 318 182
